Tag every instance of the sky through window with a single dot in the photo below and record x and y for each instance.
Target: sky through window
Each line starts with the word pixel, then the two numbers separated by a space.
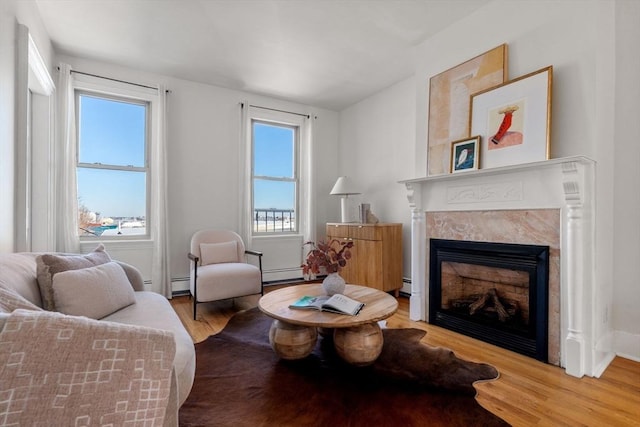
pixel 112 132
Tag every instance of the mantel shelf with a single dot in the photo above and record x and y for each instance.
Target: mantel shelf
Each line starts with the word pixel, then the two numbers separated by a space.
pixel 500 170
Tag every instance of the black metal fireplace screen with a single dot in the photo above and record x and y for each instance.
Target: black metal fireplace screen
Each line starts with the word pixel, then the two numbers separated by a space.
pixel 495 292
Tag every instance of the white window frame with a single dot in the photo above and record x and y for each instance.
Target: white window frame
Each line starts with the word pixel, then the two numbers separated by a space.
pixel 283 252
pixel 108 89
pixel 295 179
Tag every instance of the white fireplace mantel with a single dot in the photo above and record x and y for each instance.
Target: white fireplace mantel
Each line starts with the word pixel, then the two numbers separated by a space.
pixel 566 184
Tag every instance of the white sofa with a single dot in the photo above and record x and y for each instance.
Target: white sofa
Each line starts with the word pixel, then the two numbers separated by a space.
pixel 150 317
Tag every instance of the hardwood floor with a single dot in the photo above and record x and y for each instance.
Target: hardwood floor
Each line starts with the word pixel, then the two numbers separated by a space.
pixel 527 393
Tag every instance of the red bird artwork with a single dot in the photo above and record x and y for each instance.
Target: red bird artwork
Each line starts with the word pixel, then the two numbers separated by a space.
pixel 506 123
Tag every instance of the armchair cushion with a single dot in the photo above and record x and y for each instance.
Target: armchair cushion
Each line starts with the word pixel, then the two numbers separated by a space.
pixel 218 253
pixel 48 265
pixel 228 280
pixel 93 292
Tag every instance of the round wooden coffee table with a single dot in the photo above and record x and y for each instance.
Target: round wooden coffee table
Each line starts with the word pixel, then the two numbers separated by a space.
pixel 357 339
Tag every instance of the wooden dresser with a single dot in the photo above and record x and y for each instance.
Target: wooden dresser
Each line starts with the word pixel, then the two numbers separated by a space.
pixel 376 254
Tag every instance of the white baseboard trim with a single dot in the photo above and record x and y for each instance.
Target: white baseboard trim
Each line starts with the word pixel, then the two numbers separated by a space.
pixel 180 285
pixel 612 344
pixel 626 345
pixel 406 285
pixel 599 369
pixel 281 275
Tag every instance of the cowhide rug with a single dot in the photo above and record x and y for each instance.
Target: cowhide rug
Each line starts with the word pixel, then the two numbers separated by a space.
pixel 241 382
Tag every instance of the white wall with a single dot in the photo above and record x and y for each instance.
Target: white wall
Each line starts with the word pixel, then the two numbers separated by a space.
pixel 204 158
pixel 592 46
pixel 376 140
pixel 13 12
pixel 7 130
pixel 203 162
pixel 626 291
pixel 27 13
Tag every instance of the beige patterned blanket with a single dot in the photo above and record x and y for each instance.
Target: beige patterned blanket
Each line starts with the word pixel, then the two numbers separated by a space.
pixel 74 371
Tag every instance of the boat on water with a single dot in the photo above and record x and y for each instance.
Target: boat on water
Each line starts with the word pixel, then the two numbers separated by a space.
pixel 127 227
pixel 98 229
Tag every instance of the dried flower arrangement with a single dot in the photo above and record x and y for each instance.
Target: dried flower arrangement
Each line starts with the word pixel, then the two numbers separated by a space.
pixel 331 256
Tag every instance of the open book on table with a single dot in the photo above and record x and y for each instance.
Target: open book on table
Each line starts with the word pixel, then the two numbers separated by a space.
pixel 337 303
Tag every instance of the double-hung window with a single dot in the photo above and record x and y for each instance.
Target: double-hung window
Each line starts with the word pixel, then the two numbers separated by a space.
pixel 275 177
pixel 112 165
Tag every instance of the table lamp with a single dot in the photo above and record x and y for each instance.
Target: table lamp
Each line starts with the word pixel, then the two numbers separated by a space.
pixel 344 187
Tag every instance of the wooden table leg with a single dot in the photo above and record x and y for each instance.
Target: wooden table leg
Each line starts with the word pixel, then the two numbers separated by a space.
pixel 359 345
pixel 292 341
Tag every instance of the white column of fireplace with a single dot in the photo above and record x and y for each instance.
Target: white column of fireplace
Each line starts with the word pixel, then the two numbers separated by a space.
pixel 566 184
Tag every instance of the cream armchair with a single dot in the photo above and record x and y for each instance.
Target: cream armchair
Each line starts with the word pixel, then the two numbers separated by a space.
pixel 219 269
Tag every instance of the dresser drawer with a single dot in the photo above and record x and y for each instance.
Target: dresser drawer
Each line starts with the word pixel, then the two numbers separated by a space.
pixel 365 232
pixel 338 231
pixel 354 231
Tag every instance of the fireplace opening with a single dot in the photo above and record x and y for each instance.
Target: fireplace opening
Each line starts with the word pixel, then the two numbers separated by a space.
pixel 495 292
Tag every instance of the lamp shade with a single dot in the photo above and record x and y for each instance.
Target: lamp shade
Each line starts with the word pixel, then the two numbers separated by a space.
pixel 344 186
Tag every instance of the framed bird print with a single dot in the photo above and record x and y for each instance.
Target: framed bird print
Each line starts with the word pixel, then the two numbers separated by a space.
pixel 513 120
pixel 465 154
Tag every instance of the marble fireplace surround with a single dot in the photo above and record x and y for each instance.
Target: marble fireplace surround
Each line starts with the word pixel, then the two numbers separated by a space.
pixel 550 203
pixel 526 227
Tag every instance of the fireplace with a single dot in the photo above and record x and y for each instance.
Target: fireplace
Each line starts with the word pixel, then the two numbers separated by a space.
pixel 516 204
pixel 495 292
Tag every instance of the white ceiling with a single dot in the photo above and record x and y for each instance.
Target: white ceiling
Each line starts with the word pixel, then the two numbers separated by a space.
pixel 327 53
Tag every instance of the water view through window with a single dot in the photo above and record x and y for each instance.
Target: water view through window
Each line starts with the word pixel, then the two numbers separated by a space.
pixel 112 166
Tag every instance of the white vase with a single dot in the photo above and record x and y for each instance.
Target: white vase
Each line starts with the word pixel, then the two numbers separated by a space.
pixel 333 284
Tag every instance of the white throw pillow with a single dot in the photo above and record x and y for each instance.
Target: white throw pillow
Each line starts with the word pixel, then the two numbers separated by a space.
pixel 93 292
pixel 216 253
pixel 49 265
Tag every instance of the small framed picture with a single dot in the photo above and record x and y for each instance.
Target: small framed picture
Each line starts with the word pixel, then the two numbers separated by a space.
pixel 465 154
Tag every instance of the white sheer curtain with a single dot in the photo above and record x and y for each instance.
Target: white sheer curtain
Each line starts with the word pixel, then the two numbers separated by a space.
pixel 243 180
pixel 161 276
pixel 308 188
pixel 66 215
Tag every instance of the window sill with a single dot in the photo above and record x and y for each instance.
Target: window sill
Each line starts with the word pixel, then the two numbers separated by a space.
pixel 293 236
pixel 87 245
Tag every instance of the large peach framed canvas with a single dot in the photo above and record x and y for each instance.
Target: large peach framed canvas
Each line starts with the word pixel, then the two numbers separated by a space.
pixel 449 94
pixel 513 120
